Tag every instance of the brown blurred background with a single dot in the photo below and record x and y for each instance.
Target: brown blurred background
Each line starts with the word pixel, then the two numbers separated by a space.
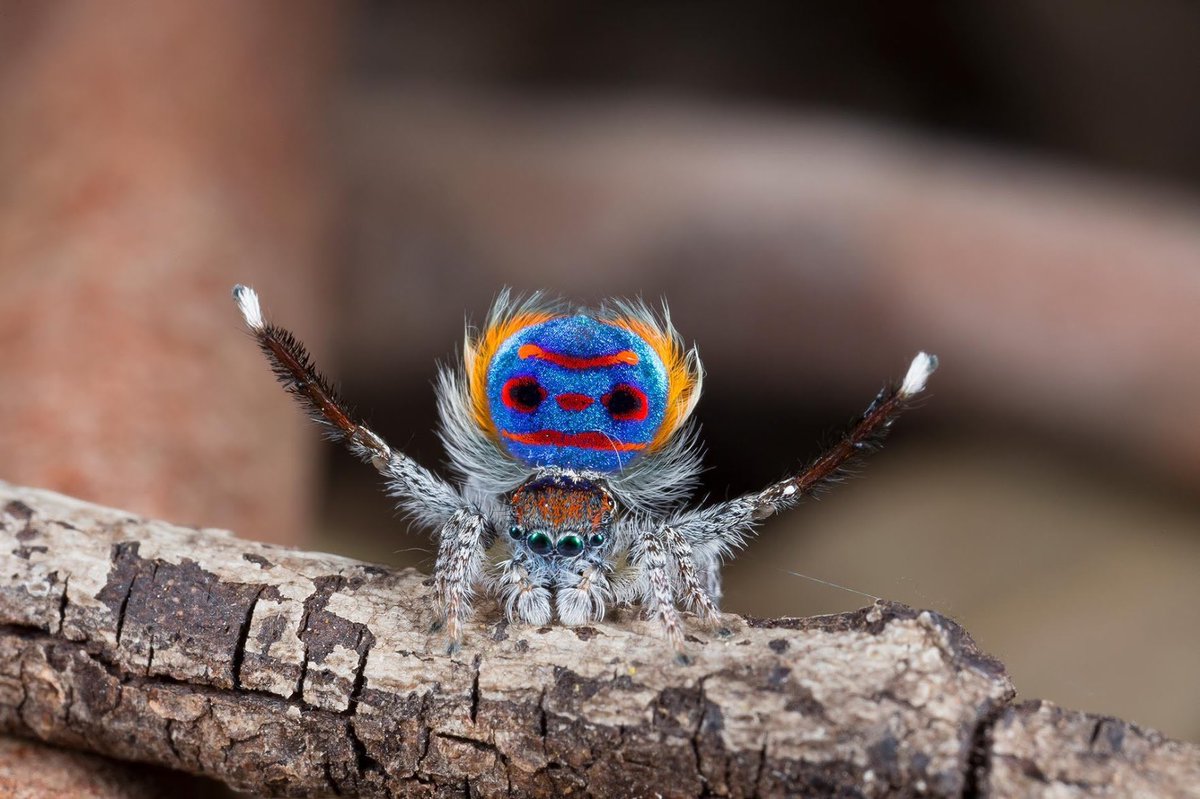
pixel 819 190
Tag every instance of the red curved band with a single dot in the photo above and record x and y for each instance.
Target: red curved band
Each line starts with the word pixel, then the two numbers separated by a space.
pixel 575 362
pixel 557 438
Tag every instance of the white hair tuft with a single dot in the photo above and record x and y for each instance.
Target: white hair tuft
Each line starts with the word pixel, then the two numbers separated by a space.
pixel 247 302
pixel 918 374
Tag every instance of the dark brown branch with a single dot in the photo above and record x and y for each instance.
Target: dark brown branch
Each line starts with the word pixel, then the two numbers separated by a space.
pixel 305 674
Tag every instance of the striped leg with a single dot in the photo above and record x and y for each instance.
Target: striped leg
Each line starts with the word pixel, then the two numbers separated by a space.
pixel 460 556
pixel 695 595
pixel 659 597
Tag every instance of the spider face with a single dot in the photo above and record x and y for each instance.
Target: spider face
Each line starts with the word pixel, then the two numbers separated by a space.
pixel 560 516
pixel 549 543
pixel 576 393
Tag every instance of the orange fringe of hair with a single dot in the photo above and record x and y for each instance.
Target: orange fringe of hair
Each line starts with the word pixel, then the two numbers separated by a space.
pixel 683 372
pixel 683 375
pixel 477 356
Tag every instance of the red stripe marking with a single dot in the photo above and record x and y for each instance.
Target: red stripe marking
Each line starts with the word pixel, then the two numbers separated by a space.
pixel 574 402
pixel 557 438
pixel 574 362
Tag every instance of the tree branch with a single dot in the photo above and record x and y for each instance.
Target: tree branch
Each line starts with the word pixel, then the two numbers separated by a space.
pixel 305 674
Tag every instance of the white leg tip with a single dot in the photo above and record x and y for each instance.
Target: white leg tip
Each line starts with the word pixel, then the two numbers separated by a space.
pixel 247 302
pixel 918 374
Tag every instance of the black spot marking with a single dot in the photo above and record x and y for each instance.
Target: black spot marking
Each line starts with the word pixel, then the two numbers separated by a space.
pixel 258 560
pixel 19 510
pixel 271 632
pixel 803 702
pixel 777 678
pixel 323 631
pixel 1108 736
pixel 500 631
pixel 24 516
pixel 569 688
pixel 162 606
pixel 115 593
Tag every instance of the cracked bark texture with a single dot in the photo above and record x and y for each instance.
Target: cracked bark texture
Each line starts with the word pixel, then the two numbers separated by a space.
pixel 294 673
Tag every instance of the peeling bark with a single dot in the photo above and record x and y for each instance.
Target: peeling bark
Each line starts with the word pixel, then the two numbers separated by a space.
pixel 305 674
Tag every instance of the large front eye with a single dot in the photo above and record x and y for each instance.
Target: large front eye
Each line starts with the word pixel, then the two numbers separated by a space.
pixel 523 394
pixel 539 542
pixel 569 545
pixel 626 403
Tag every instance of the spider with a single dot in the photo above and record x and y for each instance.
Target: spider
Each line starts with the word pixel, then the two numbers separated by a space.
pixel 571 437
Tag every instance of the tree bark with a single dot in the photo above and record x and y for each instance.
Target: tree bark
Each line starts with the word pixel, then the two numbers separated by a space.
pixel 303 674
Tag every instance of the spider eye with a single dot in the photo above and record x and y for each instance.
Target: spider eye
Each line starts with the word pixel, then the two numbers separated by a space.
pixel 539 542
pixel 570 545
pixel 523 394
pixel 626 403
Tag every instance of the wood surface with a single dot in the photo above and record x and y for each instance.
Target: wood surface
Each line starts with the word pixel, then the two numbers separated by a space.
pixel 294 673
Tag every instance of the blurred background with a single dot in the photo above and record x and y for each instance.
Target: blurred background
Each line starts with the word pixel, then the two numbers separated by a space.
pixel 819 190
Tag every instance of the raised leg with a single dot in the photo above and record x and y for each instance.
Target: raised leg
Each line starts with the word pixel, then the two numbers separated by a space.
pixel 418 490
pixel 715 530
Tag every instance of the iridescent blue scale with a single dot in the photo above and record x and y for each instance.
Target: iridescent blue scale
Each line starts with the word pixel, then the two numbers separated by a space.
pixel 576 393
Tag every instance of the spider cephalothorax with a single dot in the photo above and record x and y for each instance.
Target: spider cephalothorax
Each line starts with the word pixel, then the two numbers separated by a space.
pixel 570 433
